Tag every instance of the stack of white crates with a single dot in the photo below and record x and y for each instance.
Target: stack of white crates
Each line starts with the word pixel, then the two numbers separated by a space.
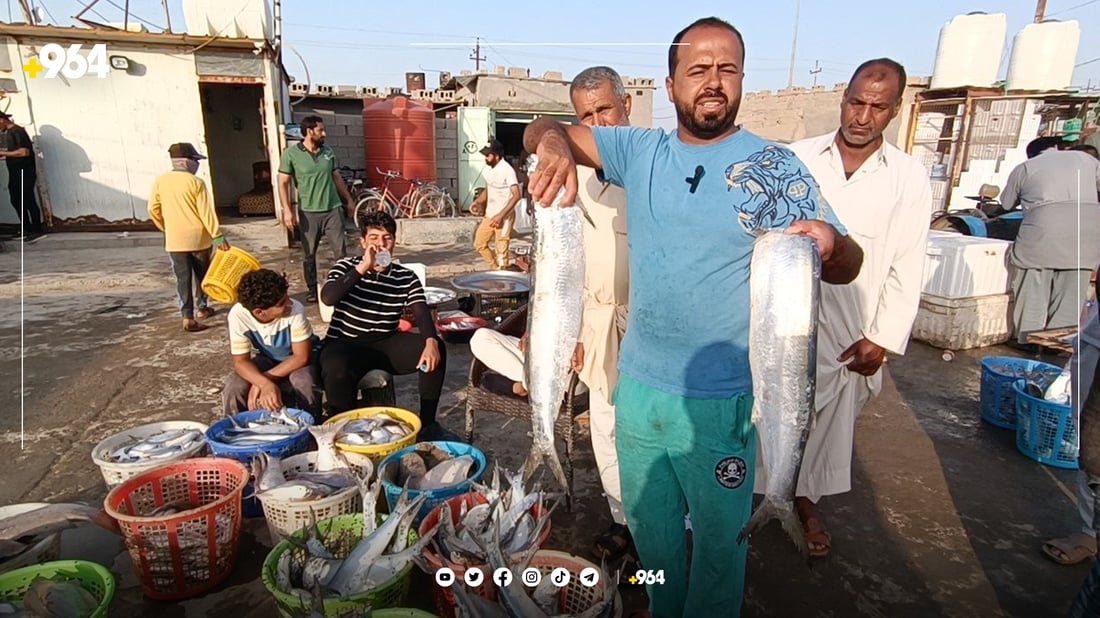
pixel 965 301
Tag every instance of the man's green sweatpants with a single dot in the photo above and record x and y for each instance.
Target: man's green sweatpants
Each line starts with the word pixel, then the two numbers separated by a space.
pixel 680 455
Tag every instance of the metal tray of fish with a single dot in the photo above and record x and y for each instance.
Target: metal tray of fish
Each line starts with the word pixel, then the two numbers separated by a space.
pixel 493 282
pixel 438 296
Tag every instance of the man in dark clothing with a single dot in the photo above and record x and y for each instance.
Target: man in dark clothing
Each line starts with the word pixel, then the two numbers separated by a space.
pixel 22 178
pixel 368 294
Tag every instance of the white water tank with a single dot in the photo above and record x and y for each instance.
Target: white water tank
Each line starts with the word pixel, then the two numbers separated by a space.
pixel 237 19
pixel 969 51
pixel 1043 55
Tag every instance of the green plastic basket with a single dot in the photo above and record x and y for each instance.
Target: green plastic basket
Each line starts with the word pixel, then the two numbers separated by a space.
pixel 388 595
pixel 93 577
pixel 402 612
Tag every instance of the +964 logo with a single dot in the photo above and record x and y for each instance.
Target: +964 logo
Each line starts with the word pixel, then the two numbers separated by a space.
pixel 71 62
pixel 648 578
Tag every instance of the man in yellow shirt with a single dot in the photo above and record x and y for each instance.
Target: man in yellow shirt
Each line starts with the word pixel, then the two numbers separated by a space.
pixel 180 206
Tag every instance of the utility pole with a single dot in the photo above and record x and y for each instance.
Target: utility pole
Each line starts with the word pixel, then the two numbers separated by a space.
pixel 794 43
pixel 27 13
pixel 477 55
pixel 1040 10
pixel 814 71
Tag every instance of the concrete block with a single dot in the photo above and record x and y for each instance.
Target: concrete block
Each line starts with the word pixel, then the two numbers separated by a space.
pixel 446 134
pixel 554 76
pixel 436 231
pixel 445 154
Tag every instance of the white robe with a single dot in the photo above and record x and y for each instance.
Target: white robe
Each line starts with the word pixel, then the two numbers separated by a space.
pixel 886 207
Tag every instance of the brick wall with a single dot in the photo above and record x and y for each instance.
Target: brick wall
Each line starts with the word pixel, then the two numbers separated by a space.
pixel 343 133
pixel 446 154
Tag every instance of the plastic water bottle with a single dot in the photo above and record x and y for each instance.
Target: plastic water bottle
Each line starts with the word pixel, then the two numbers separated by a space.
pixel 383 258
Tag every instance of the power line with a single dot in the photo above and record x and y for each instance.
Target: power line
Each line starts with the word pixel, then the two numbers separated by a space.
pixel 1086 62
pixel 1072 8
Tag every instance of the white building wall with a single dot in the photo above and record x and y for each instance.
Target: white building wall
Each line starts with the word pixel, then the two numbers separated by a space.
pixel 102 142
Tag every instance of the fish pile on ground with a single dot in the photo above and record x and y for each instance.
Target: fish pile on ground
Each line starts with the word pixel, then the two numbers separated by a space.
pixel 60 596
pixel 19 533
pixel 504 519
pixel 322 567
pixel 428 467
pixel 164 445
pixel 266 429
pixel 372 430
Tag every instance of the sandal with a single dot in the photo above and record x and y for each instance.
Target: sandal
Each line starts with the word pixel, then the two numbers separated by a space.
pixel 816 534
pixel 205 312
pixel 1073 549
pixel 614 543
pixel 191 326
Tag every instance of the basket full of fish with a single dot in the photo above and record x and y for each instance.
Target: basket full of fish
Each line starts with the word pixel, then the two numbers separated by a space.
pixel 313 485
pixel 241 436
pixel 439 469
pixel 508 519
pixel 131 452
pixel 375 432
pixel 347 565
pixel 181 524
pixel 577 599
pixel 58 589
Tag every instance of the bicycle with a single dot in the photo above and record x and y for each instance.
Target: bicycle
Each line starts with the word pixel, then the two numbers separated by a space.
pixel 425 199
pixel 354 180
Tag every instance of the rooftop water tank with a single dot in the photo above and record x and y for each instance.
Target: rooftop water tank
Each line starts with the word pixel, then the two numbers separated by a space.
pixel 236 19
pixel 1043 55
pixel 969 51
pixel 399 135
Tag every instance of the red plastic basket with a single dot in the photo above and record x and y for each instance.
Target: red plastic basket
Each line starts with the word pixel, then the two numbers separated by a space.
pixel 444 598
pixel 182 555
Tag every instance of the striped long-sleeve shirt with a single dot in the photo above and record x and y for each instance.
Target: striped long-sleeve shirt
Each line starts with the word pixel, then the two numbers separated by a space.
pixel 373 307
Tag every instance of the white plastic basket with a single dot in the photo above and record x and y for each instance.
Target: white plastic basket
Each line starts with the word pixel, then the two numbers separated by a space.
pixel 360 464
pixel 285 517
pixel 114 474
pixel 45 550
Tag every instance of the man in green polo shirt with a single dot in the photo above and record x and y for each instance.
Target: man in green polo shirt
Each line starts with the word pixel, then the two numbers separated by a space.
pixel 312 166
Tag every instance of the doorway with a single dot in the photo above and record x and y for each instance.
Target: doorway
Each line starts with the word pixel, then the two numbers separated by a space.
pixel 232 116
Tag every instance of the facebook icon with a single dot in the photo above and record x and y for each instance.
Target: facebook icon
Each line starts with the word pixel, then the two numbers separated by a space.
pixel 502 577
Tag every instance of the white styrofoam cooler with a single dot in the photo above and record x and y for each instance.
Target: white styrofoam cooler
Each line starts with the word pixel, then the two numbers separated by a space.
pixel 963 323
pixel 957 266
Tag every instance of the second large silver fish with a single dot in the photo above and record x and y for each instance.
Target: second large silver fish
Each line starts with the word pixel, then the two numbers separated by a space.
pixel 553 325
pixel 785 292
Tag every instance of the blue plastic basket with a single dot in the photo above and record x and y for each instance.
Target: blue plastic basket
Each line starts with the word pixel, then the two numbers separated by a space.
pixel 1045 431
pixel 999 373
pixel 291 445
pixel 435 496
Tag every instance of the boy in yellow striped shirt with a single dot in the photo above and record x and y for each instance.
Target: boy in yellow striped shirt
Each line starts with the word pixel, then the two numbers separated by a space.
pixel 180 206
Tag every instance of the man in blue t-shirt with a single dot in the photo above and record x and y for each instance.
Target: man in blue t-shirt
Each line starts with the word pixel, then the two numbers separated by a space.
pixel 683 429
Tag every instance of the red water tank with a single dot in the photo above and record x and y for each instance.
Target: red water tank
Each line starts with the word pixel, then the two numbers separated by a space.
pixel 399 135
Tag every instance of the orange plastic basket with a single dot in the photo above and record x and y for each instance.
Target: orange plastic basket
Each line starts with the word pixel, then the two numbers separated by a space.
pixel 185 554
pixel 444 598
pixel 225 272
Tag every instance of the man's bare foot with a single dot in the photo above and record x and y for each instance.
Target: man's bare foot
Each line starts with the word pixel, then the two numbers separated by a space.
pixel 518 389
pixel 192 326
pixel 817 537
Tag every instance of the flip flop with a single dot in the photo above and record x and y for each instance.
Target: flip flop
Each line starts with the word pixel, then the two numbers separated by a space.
pixel 816 534
pixel 1070 550
pixel 608 546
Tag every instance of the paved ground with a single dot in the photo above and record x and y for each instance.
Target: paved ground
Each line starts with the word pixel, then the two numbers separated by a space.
pixel 945 517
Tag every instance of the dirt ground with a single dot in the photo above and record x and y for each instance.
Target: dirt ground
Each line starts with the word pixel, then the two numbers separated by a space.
pixel 945 518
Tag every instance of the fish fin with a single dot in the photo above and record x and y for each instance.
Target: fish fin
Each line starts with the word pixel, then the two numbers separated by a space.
pixel 584 211
pixel 552 461
pixel 788 519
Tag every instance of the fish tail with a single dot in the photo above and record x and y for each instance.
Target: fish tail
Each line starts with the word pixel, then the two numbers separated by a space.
pixel 537 455
pixel 788 519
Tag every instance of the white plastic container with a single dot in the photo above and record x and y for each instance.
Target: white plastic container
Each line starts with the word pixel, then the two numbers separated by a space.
pixel 969 50
pixel 1043 56
pixel 958 266
pixel 115 474
pixel 964 323
pixel 240 19
pixel 285 517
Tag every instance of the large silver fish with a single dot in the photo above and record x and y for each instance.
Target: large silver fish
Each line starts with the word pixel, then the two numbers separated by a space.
pixel 553 324
pixel 785 294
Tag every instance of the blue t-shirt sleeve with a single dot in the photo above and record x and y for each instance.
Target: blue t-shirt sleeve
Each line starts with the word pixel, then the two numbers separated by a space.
pixel 826 212
pixel 618 147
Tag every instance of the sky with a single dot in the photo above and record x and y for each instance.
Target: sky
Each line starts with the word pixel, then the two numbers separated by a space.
pixel 374 43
